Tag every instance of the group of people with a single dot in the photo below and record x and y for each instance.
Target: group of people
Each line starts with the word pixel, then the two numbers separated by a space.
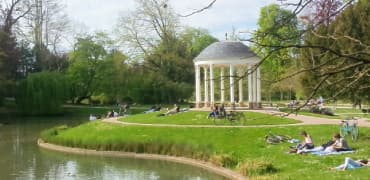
pixel 316 102
pixel 174 110
pixel 112 114
pixel 337 143
pixel 217 111
pixel 154 108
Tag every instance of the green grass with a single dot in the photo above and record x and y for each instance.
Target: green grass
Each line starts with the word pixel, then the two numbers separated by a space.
pixel 237 148
pixel 200 118
pixel 341 113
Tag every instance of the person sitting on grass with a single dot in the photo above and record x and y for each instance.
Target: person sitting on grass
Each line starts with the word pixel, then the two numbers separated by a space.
pixel 222 111
pixel 307 143
pixel 352 164
pixel 340 144
pixel 214 112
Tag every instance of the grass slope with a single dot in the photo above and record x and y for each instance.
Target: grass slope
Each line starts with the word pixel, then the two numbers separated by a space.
pixel 242 149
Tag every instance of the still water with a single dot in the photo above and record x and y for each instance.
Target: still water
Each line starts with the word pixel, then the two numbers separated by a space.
pixel 21 158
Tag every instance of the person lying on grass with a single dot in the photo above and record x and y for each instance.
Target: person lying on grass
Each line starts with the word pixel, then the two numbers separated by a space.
pixel 352 164
pixel 174 110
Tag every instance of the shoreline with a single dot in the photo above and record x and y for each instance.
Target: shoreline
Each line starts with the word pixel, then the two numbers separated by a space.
pixel 188 161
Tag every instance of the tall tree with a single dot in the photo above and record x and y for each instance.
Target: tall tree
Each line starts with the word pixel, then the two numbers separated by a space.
pixel 343 67
pixel 46 25
pixel 277 27
pixel 11 12
pixel 325 11
pixel 152 22
pixel 85 61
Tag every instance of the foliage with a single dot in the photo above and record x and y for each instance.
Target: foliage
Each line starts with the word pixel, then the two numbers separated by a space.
pixel 196 40
pixel 85 62
pixel 245 145
pixel 340 69
pixel 325 10
pixel 9 56
pixel 277 27
pixel 42 94
pixel 113 77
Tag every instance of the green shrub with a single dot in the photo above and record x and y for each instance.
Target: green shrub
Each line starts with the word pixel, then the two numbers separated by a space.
pixel 224 160
pixel 256 168
pixel 42 94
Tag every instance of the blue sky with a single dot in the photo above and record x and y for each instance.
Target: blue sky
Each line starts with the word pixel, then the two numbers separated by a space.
pixel 93 15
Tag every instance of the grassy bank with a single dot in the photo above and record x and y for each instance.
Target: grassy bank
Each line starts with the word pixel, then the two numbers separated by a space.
pixel 200 118
pixel 242 149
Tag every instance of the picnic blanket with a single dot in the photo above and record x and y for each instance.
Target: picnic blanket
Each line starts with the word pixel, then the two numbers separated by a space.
pixel 320 151
pixel 325 153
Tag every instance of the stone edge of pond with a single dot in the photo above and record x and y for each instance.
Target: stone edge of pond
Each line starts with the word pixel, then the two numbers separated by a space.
pixel 204 165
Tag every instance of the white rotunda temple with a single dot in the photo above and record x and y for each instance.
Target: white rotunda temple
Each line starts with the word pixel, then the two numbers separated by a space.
pixel 241 64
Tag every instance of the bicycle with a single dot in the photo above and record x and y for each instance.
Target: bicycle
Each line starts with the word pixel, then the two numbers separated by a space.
pixel 233 117
pixel 349 129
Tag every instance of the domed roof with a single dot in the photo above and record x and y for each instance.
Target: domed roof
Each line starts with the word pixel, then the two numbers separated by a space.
pixel 227 51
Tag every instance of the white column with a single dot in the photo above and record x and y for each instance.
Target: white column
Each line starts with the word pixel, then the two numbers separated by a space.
pixel 197 86
pixel 254 86
pixel 240 86
pixel 258 79
pixel 232 97
pixel 222 86
pixel 212 84
pixel 250 84
pixel 206 101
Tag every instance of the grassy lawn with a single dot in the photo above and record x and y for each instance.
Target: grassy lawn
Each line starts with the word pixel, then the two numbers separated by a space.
pixel 344 112
pixel 341 113
pixel 241 149
pixel 200 118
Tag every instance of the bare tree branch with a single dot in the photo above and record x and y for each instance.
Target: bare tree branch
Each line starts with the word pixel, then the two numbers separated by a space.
pixel 199 10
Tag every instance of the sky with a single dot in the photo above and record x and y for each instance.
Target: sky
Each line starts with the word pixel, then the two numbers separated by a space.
pixel 222 17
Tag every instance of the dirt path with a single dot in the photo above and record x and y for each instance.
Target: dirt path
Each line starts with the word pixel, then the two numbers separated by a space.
pixel 310 120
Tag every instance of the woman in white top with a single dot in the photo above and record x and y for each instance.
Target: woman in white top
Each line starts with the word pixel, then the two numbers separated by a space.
pixel 308 143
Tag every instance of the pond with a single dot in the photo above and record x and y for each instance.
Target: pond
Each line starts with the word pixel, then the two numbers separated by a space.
pixel 21 158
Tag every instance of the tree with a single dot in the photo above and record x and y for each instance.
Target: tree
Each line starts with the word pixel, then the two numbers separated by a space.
pixel 277 27
pixel 152 22
pixel 85 61
pixel 114 76
pixel 325 11
pixel 42 94
pixel 10 14
pixel 46 25
pixel 196 40
pixel 333 56
pixel 344 70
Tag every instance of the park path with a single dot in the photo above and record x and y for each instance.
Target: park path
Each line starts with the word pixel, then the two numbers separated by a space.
pixel 305 120
pixel 310 120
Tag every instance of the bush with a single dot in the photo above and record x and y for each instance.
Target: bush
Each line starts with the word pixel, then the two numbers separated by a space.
pixel 318 110
pixel 327 111
pixel 224 160
pixel 42 94
pixel 256 168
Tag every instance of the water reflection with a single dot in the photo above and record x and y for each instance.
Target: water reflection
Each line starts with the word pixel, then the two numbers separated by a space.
pixel 21 158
